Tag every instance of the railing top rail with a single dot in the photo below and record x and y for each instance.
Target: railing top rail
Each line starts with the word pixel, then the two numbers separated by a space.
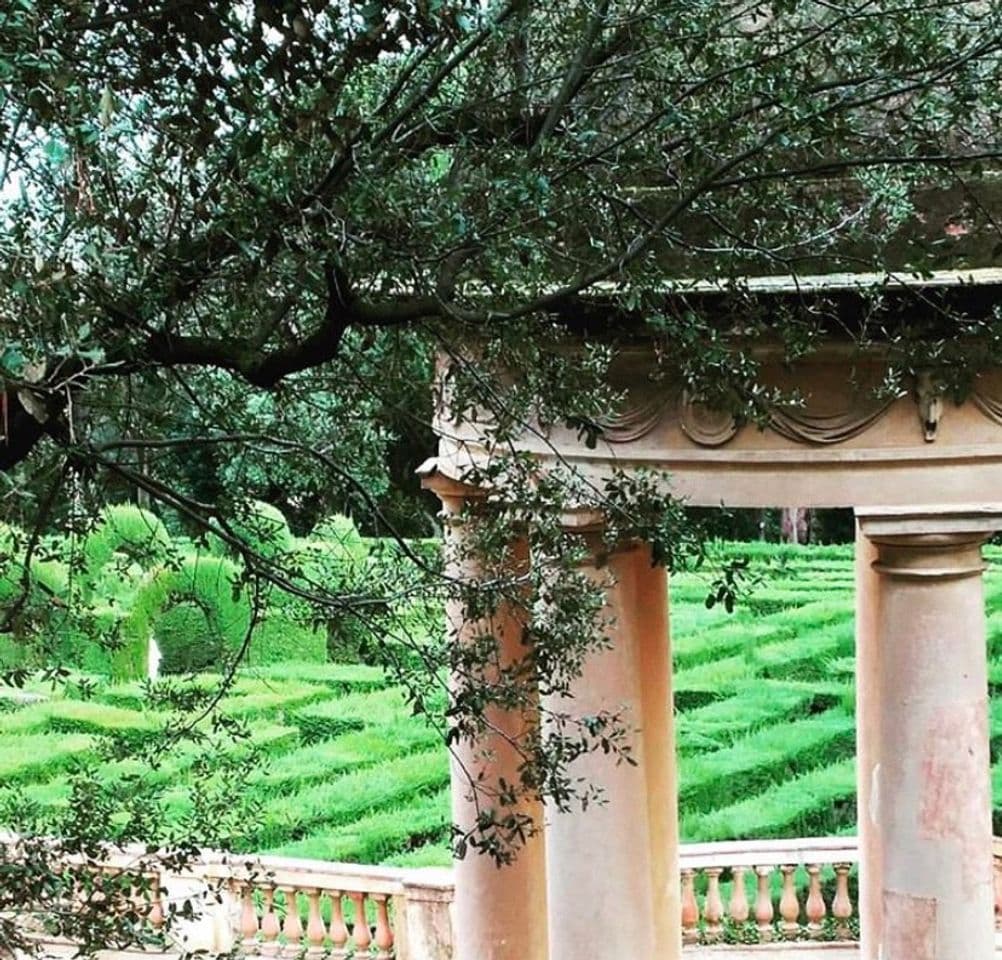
pixel 769 853
pixel 353 877
pixel 304 874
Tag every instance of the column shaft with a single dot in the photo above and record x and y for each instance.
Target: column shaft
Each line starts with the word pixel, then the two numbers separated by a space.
pixel 613 868
pixel 499 912
pixel 933 802
pixel 868 674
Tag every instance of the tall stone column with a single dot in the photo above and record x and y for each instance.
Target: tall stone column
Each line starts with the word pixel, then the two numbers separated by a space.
pixel 868 674
pixel 612 869
pixel 499 913
pixel 931 798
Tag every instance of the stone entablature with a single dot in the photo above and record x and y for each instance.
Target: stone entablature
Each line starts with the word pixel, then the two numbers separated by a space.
pixel 848 441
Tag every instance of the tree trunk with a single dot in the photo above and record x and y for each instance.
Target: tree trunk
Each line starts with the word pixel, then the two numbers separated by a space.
pixel 795 525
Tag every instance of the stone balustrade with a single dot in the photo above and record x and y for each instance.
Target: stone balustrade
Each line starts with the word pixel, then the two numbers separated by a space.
pixel 285 907
pixel 768 890
pixel 753 892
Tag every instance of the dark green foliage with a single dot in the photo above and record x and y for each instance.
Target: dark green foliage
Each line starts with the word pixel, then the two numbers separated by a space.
pixel 186 639
pixel 279 640
pixel 262 527
pixel 214 619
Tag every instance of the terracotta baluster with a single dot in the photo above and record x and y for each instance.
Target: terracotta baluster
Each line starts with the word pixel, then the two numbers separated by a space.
pixel 789 905
pixel 763 906
pixel 292 926
pixel 690 908
pixel 815 909
pixel 339 930
pixel 315 931
pixel 739 897
pixel 713 908
pixel 841 904
pixel 270 927
pixel 360 928
pixel 384 932
pixel 248 920
pixel 156 906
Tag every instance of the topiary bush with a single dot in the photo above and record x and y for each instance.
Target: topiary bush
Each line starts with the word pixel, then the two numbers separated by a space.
pixel 129 530
pixel 187 639
pixel 336 558
pixel 201 586
pixel 262 526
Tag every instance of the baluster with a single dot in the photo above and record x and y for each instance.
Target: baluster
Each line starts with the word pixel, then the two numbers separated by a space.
pixel 292 927
pixel 248 919
pixel 789 905
pixel 360 928
pixel 156 905
pixel 384 932
pixel 339 930
pixel 841 904
pixel 763 906
pixel 690 908
pixel 270 928
pixel 816 909
pixel 713 908
pixel 739 897
pixel 315 931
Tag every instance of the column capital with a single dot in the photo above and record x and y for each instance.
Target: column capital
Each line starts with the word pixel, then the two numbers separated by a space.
pixel 980 518
pixel 452 492
pixel 930 542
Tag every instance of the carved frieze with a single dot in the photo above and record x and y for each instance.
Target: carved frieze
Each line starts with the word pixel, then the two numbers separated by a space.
pixel 803 426
pixel 636 421
pixel 710 427
pixel 705 425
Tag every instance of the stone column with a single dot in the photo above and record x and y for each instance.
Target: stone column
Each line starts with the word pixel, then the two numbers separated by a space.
pixel 932 798
pixel 613 873
pixel 867 742
pixel 499 913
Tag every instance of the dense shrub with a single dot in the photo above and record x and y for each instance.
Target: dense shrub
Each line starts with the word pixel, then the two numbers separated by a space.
pixel 313 729
pixel 125 529
pixel 336 559
pixel 201 585
pixel 260 525
pixel 278 640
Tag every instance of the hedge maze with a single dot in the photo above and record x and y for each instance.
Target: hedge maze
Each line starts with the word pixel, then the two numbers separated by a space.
pixel 338 768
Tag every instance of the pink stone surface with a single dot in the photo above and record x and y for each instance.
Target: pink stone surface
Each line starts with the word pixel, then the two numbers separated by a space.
pixel 954 759
pixel 909 927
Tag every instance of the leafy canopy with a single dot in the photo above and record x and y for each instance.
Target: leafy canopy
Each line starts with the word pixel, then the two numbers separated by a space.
pixel 235 237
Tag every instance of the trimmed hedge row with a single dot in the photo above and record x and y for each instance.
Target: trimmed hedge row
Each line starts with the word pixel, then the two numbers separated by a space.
pixel 349 797
pixel 770 755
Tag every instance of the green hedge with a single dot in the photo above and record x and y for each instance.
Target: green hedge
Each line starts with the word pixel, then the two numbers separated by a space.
pixel 817 803
pixel 373 838
pixel 34 757
pixel 350 796
pixel 770 755
pixel 299 768
pixel 754 704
